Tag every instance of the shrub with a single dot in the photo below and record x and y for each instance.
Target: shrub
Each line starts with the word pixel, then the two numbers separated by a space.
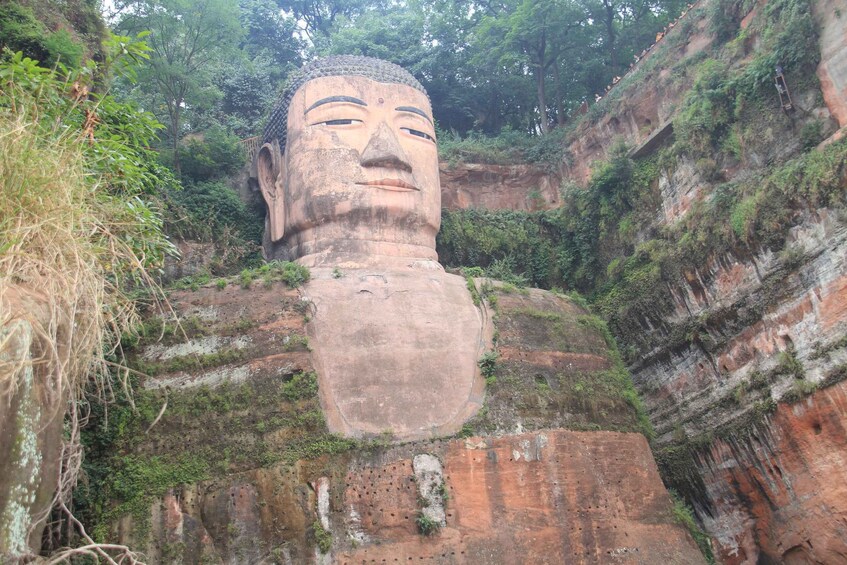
pixel 20 30
pixel 301 386
pixel 488 366
pixel 62 48
pixel 811 134
pixel 685 516
pixel 506 148
pixel 426 525
pixel 76 229
pixel 323 538
pixel 203 210
pixel 213 154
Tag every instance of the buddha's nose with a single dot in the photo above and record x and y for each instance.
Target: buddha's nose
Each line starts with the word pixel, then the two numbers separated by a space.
pixel 383 150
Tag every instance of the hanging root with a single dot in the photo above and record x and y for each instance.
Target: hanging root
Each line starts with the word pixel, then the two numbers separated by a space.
pixel 113 554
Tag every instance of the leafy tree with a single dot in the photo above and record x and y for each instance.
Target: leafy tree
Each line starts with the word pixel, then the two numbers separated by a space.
pixel 531 36
pixel 186 37
pixel 269 33
pixel 216 154
pixel 319 16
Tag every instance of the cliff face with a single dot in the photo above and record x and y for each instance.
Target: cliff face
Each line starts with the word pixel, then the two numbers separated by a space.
pixel 772 325
pixel 551 497
pixel 240 467
pixel 777 491
pixel 510 187
pixel 31 418
pixel 731 302
pixel 767 489
pixel 751 331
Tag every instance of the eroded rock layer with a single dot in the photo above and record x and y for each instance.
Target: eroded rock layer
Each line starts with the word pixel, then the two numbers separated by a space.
pixel 778 492
pixel 494 187
pixel 544 497
pixel 241 468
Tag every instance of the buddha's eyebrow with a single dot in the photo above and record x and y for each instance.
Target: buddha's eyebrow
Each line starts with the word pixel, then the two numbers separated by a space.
pixel 414 110
pixel 330 99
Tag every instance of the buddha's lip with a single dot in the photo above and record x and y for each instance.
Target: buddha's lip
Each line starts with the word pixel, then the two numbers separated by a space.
pixel 397 185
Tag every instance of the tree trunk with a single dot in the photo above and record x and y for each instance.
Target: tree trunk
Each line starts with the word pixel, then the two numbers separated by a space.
pixel 560 108
pixel 610 34
pixel 542 101
pixel 541 55
pixel 175 114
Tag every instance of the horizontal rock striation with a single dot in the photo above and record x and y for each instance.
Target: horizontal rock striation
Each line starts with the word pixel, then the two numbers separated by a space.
pixel 498 187
pixel 544 497
pixel 777 491
pixel 240 467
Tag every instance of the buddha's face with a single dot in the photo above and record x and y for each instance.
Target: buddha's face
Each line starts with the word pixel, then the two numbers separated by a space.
pixel 360 165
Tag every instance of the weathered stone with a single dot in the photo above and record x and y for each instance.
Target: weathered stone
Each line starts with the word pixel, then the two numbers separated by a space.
pixel 547 497
pixel 32 402
pixel 357 182
pixel 498 187
pixel 832 70
pixel 396 351
pixel 514 499
pixel 395 342
pixel 777 491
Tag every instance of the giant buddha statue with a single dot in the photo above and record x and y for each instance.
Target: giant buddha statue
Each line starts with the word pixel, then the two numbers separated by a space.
pixel 349 172
pixel 348 169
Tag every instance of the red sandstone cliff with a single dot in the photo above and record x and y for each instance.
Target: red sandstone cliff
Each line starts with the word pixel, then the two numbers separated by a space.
pixel 493 187
pixel 766 480
pixel 274 487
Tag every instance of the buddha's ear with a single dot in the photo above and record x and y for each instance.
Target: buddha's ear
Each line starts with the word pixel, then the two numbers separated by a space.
pixel 268 169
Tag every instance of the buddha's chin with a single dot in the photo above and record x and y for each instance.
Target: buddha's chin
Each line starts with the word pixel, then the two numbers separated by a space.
pixel 356 242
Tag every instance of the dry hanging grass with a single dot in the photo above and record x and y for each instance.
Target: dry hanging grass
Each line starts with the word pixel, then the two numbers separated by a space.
pixel 61 248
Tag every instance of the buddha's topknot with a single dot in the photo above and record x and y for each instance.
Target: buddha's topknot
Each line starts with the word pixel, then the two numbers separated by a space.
pixel 337 65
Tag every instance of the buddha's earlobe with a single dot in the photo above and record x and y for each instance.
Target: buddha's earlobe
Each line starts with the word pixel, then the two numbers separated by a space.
pixel 268 173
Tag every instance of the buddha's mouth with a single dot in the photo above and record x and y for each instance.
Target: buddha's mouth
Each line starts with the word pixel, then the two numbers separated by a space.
pixel 396 185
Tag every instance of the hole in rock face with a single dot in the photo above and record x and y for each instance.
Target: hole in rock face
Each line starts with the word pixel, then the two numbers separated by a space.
pixel 817 428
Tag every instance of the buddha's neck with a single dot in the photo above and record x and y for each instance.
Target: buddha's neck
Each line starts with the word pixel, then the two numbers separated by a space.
pixel 355 253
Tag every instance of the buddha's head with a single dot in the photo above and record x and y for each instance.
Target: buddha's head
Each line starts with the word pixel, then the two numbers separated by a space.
pixel 349 167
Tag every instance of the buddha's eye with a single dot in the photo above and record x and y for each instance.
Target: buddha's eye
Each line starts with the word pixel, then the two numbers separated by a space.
pixel 346 122
pixel 418 133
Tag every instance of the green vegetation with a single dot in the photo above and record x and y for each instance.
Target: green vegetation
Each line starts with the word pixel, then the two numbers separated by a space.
pixel 78 230
pixel 137 481
pixel 585 245
pixel 601 397
pixel 301 386
pixel 562 247
pixel 685 516
pixel 323 538
pixel 488 366
pixel 41 30
pixel 824 350
pixel 245 415
pixel 290 273
pixel 188 362
pixel 677 460
pixel 426 525
pixel 86 169
pixel 509 147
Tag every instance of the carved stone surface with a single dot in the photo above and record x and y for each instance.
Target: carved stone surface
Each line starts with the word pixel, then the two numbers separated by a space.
pixel 396 351
pixel 358 180
pixel 352 188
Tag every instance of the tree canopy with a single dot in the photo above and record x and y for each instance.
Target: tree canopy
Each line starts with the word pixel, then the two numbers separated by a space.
pixel 521 64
